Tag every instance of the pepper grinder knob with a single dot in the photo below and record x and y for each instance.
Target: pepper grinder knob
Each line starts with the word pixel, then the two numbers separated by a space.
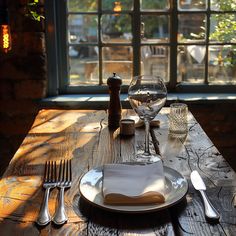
pixel 114 107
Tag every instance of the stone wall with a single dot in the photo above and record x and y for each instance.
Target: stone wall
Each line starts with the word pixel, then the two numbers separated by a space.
pixel 23 82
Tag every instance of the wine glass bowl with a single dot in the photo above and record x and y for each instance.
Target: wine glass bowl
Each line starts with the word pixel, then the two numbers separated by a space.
pixel 147 95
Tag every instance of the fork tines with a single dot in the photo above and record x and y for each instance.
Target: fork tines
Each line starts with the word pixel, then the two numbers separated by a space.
pixel 69 170
pixel 65 174
pixel 50 172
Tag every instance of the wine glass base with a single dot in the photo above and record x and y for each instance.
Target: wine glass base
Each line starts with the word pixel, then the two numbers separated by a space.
pixel 147 158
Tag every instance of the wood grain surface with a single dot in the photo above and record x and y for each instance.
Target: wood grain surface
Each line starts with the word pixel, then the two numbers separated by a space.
pixel 84 136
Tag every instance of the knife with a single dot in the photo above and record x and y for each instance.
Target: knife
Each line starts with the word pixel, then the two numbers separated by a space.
pixel 155 141
pixel 198 184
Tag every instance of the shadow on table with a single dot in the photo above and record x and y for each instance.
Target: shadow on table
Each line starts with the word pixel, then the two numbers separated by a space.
pixel 99 217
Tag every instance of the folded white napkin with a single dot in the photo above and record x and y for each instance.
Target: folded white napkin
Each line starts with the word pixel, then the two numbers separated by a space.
pixel 127 184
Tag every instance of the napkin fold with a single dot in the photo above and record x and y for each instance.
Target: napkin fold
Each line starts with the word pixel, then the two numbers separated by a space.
pixel 125 184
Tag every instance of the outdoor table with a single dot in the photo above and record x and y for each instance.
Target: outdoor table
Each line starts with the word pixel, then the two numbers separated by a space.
pixel 84 137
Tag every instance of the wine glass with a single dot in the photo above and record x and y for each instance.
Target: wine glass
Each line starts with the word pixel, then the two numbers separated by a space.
pixel 147 95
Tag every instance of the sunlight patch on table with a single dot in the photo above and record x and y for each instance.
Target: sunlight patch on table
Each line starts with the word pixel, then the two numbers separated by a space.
pixel 91 127
pixel 15 192
pixel 58 123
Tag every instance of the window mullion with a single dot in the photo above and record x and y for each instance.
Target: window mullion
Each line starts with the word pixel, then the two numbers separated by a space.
pixel 51 46
pixel 207 41
pixel 62 39
pixel 100 57
pixel 173 45
pixel 136 21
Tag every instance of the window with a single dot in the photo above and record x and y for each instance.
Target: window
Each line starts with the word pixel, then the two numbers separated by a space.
pixel 191 44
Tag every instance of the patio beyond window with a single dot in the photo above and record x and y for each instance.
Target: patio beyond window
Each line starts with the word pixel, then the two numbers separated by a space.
pixel 186 42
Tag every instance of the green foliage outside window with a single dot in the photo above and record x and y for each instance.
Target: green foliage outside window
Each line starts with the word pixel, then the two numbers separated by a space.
pixel 33 10
pixel 225 29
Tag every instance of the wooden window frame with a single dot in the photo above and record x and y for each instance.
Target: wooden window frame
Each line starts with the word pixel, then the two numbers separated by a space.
pixel 56 43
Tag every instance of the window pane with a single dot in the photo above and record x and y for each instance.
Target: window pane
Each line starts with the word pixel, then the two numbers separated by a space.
pixel 191 27
pixel 155 61
pixel 82 28
pixel 155 28
pixel 154 18
pixel 222 64
pixel 82 5
pixel 192 5
pixel 154 5
pixel 223 28
pixel 191 63
pixel 83 64
pixel 119 5
pixel 118 59
pixel 116 28
pixel 219 5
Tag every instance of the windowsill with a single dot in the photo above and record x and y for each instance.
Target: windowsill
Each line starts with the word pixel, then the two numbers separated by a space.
pixel 100 101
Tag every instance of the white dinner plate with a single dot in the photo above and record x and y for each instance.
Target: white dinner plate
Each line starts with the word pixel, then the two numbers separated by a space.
pixel 90 188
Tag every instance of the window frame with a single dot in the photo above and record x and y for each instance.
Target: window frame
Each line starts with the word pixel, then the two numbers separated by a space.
pixel 57 58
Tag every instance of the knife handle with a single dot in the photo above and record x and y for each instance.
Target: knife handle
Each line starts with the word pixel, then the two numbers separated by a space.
pixel 210 211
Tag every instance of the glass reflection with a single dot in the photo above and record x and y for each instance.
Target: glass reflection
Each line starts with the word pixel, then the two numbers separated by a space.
pixel 83 64
pixel 157 5
pixel 115 5
pixel 191 27
pixel 116 28
pixel 82 28
pixel 118 59
pixel 155 28
pixel 222 64
pixel 82 5
pixel 155 61
pixel 191 64
pixel 192 5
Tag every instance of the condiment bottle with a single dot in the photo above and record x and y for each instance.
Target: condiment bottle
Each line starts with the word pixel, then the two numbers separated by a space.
pixel 114 108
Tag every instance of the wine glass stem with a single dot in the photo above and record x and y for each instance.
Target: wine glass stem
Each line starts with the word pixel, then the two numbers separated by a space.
pixel 147 128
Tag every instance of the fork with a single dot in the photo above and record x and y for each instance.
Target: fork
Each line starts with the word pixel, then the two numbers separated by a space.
pixel 49 182
pixel 64 181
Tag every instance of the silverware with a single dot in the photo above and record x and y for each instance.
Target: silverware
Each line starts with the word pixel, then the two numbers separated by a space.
pixel 49 182
pixel 155 142
pixel 198 184
pixel 64 181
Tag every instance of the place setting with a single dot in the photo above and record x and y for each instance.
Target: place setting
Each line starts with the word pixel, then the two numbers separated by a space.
pixel 133 188
pixel 55 176
pixel 143 184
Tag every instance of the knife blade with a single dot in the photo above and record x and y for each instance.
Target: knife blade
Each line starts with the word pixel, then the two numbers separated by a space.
pixel 198 184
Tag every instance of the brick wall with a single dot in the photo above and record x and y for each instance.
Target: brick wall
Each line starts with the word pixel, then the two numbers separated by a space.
pixel 23 82
pixel 22 78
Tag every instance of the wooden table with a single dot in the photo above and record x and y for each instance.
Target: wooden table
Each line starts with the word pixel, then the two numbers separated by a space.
pixel 84 137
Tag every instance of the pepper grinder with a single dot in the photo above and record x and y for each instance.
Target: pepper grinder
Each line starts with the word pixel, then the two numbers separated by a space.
pixel 114 108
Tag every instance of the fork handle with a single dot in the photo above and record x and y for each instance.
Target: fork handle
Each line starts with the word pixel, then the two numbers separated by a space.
pixel 44 217
pixel 60 216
